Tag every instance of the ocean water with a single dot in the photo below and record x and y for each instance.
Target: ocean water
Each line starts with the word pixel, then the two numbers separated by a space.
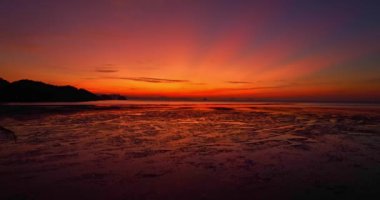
pixel 189 150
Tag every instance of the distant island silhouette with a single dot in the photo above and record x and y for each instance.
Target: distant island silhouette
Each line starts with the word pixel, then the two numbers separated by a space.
pixel 36 91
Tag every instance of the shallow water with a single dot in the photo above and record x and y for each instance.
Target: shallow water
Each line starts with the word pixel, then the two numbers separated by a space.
pixel 190 151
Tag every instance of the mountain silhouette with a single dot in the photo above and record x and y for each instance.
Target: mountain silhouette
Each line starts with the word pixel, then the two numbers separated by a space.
pixel 3 83
pixel 35 91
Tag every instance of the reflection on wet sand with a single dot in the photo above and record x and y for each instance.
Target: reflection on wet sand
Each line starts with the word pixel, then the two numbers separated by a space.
pixel 190 152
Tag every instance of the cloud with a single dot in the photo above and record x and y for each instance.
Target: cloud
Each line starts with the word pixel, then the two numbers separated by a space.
pixel 238 82
pixel 106 68
pixel 268 87
pixel 151 80
pixel 376 80
pixel 261 88
pixel 199 83
pixel 256 88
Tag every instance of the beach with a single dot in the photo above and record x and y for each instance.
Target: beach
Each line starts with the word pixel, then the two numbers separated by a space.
pixel 202 150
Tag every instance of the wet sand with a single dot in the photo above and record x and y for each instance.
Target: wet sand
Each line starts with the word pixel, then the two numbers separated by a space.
pixel 190 151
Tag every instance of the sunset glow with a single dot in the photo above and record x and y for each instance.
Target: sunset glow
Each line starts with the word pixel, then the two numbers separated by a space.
pixel 308 50
pixel 189 99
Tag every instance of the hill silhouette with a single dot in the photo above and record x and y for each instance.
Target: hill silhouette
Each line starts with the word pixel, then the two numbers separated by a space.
pixel 35 91
pixel 3 83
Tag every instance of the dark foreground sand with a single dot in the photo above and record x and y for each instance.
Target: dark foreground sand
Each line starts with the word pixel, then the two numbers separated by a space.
pixel 190 152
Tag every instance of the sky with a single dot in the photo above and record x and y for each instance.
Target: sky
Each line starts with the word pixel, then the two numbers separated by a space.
pixel 234 49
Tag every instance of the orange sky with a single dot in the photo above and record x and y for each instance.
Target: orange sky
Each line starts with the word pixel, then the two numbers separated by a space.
pixel 191 48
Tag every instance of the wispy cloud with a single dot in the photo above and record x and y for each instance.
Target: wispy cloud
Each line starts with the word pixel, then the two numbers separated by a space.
pixel 199 83
pixel 376 80
pixel 90 78
pixel 150 79
pixel 107 68
pixel 255 88
pixel 238 82
pixel 261 87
